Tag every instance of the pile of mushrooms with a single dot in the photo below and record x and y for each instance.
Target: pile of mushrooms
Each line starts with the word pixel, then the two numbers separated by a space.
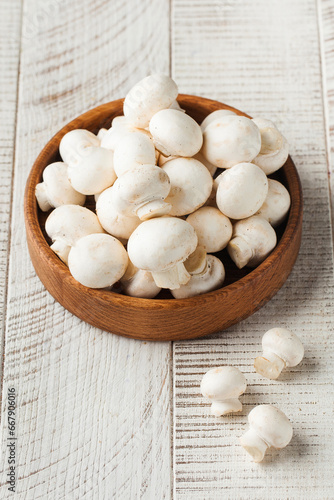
pixel 160 213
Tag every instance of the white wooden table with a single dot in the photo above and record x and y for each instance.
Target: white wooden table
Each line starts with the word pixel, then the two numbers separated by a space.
pixel 103 417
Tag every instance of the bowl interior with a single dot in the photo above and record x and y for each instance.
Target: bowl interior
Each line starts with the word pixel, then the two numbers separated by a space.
pixel 199 111
pixel 161 318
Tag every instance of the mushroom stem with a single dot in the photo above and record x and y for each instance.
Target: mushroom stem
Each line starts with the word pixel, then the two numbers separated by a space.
pixel 240 251
pixel 42 197
pixel 219 408
pixel 173 277
pixel 254 445
pixel 62 249
pixel 269 365
pixel 155 208
pixel 197 262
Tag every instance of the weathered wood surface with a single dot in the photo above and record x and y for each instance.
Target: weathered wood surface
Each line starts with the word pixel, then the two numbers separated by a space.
pixel 10 31
pixel 93 416
pixel 95 410
pixel 326 40
pixel 262 57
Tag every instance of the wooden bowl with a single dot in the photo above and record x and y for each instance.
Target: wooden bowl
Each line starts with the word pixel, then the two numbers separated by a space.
pixel 162 318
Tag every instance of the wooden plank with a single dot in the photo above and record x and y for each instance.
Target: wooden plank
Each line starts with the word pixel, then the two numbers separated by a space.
pixel 10 31
pixel 326 34
pixel 262 57
pixel 93 415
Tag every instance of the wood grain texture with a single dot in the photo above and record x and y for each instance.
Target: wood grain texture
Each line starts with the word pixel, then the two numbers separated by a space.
pixel 243 292
pixel 262 57
pixel 326 36
pixel 10 31
pixel 93 416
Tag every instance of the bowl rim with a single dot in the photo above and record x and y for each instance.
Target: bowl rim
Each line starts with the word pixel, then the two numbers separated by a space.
pixel 30 207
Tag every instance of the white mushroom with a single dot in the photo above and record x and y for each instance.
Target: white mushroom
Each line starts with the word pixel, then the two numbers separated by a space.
pixel 162 159
pixel 277 203
pixel 214 229
pixel 219 113
pixel 274 147
pixel 73 145
pixel 241 191
pixel 161 246
pixel 56 190
pixel 176 133
pixel 281 349
pixel 133 150
pixel 67 224
pixel 212 168
pixel 230 140
pixel 139 283
pixel 211 201
pixel 203 279
pixel 101 133
pixel 191 185
pixel 223 386
pixel 93 171
pixel 147 97
pixel 113 136
pixel 120 128
pixel 115 223
pixel 142 191
pixel 269 427
pixel 252 241
pixel 175 105
pixel 97 260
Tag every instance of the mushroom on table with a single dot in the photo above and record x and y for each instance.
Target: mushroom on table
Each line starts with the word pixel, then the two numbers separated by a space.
pixel 281 349
pixel 269 427
pixel 223 386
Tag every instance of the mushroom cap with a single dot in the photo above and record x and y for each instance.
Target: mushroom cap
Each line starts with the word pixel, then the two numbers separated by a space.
pixel 133 150
pixel 271 425
pixel 140 186
pixel 274 147
pixel 211 279
pixel 224 382
pixel 175 105
pixel 176 133
pixel 141 285
pixel 97 260
pixel 162 159
pixel 258 236
pixel 214 229
pixel 277 203
pixel 212 168
pixel 242 190
pixel 147 97
pixel 191 185
pixel 158 244
pixel 119 225
pixel 73 144
pixel 93 172
pixel 101 133
pixel 71 222
pixel 58 188
pixel 219 113
pixel 230 140
pixel 284 344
